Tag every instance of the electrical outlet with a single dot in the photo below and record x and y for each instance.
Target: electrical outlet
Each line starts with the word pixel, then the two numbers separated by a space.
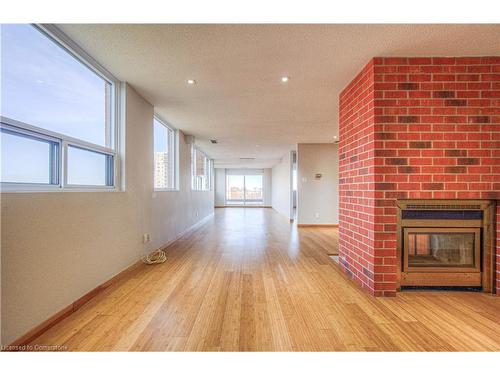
pixel 197 214
pixel 146 237
pixel 316 215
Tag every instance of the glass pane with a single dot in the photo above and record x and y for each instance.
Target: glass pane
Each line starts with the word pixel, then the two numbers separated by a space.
pixel 201 170
pixel 45 86
pixel 200 164
pixel 87 167
pixel 441 249
pixel 253 189
pixel 25 159
pixel 235 193
pixel 163 142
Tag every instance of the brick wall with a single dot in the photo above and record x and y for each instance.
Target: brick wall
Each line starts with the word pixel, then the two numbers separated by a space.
pixel 356 165
pixel 435 134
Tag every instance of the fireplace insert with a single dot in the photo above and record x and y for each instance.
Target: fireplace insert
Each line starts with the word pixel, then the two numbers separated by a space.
pixel 445 243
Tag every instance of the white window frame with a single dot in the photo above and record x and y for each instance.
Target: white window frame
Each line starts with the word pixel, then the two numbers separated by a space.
pixel 194 185
pixel 113 129
pixel 175 154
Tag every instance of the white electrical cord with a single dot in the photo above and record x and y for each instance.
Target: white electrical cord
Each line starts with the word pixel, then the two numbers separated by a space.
pixel 155 257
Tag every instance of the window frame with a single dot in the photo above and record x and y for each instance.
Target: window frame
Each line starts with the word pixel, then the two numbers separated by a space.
pixel 109 166
pixel 194 185
pixel 113 127
pixel 175 154
pixel 9 126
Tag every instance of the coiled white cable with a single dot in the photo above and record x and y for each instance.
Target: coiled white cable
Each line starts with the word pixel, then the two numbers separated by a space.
pixel 155 257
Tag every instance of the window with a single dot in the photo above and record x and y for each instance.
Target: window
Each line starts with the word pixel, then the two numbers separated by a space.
pixel 244 189
pixel 165 156
pixel 58 122
pixel 201 170
pixel 35 157
pixel 88 167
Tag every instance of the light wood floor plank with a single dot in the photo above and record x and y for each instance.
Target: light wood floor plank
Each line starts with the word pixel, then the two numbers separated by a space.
pixel 248 280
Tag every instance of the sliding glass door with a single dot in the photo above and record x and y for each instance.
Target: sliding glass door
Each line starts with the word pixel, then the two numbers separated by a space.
pixel 244 190
pixel 235 189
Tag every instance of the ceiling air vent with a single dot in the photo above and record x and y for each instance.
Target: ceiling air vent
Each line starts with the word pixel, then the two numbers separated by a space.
pixel 247 158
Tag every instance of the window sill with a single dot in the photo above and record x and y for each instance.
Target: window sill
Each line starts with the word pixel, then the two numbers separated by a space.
pixel 166 190
pixel 75 190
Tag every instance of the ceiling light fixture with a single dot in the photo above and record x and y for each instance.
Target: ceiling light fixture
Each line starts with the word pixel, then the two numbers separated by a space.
pixel 191 81
pixel 334 137
pixel 285 79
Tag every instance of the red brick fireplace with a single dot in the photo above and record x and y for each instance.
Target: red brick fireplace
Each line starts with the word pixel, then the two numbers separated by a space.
pixel 413 128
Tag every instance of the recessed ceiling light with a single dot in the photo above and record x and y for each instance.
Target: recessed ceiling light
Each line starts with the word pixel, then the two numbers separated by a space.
pixel 334 137
pixel 285 79
pixel 191 81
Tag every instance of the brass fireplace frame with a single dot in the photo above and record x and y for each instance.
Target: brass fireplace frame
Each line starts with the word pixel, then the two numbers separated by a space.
pixel 484 277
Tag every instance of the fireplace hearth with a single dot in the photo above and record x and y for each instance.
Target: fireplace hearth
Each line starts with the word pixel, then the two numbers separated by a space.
pixel 445 243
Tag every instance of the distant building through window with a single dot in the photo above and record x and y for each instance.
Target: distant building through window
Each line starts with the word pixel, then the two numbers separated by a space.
pixel 165 158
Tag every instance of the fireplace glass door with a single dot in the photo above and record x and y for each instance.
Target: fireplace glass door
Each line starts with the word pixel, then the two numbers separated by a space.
pixel 442 249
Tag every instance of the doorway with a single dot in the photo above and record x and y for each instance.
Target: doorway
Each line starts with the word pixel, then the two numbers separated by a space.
pixel 244 190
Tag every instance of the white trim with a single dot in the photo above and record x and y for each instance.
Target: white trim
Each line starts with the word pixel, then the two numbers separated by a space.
pixel 51 135
pixel 54 33
pixel 164 122
pixel 57 189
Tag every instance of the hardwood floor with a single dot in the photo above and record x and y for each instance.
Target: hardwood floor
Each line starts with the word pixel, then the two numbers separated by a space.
pixel 249 280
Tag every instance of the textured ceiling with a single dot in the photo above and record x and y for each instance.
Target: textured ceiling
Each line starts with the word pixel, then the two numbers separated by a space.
pixel 239 98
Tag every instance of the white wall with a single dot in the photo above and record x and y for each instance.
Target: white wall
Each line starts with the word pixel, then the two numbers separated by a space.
pixel 220 186
pixel 317 197
pixel 58 246
pixel 282 186
pixel 267 181
pixel 220 183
